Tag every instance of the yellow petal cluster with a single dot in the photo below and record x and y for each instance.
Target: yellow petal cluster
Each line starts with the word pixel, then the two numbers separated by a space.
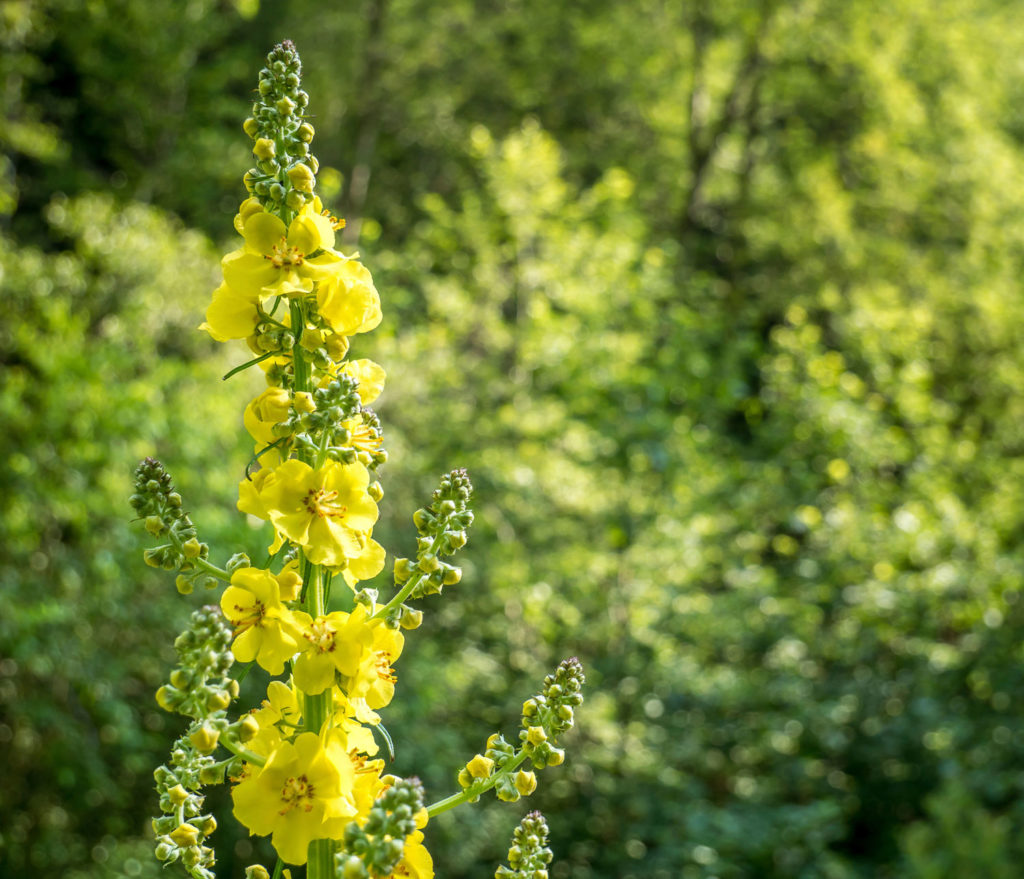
pixel 296 300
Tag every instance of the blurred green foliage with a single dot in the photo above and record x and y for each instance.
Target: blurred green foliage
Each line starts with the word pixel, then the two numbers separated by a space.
pixel 718 304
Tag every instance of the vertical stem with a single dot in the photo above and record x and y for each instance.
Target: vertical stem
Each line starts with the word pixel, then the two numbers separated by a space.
pixel 315 709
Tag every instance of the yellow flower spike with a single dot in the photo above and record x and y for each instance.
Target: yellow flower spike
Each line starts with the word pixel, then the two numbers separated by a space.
pixel 302 794
pixel 526 782
pixel 265 630
pixel 480 766
pixel 185 835
pixel 331 643
pixel 326 511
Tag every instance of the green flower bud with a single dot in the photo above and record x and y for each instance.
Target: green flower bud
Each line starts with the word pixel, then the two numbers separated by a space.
pixel 205 738
pixel 353 868
pixel 535 735
pixel 211 774
pixel 247 728
pixel 285 106
pixel 295 200
pixel 411 619
pixel 403 570
pixel 480 766
pixel 452 576
pixel 376 491
pixel 185 835
pixel 526 782
pixel 154 525
pixel 429 563
pixel 183 584
pixel 256 871
pixel 168 698
pixel 163 851
pixel 306 132
pixel 250 127
pixel 218 700
pixel 177 794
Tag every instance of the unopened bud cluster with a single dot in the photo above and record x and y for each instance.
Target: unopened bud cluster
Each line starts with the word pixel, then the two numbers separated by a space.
pixel 529 855
pixel 285 170
pixel 442 532
pixel 159 505
pixel 375 848
pixel 183 828
pixel 545 716
pixel 200 685
pixel 551 712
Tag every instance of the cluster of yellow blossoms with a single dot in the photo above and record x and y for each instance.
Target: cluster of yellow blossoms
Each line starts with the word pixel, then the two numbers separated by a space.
pixel 304 765
pixel 312 779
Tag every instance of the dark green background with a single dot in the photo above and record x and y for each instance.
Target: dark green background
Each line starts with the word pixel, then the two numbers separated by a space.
pixel 720 306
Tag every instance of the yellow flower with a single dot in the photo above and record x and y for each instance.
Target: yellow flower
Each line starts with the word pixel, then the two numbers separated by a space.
pixel 369 375
pixel 265 630
pixel 480 766
pixel 368 784
pixel 232 314
pixel 280 707
pixel 271 407
pixel 373 685
pixel 280 261
pixel 347 299
pixel 334 642
pixel 416 862
pixel 368 564
pixel 245 210
pixel 327 512
pixel 303 793
pixel 302 178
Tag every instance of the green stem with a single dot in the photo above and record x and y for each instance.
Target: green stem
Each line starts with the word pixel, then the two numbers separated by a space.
pixel 210 568
pixel 407 589
pixel 244 753
pixel 474 790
